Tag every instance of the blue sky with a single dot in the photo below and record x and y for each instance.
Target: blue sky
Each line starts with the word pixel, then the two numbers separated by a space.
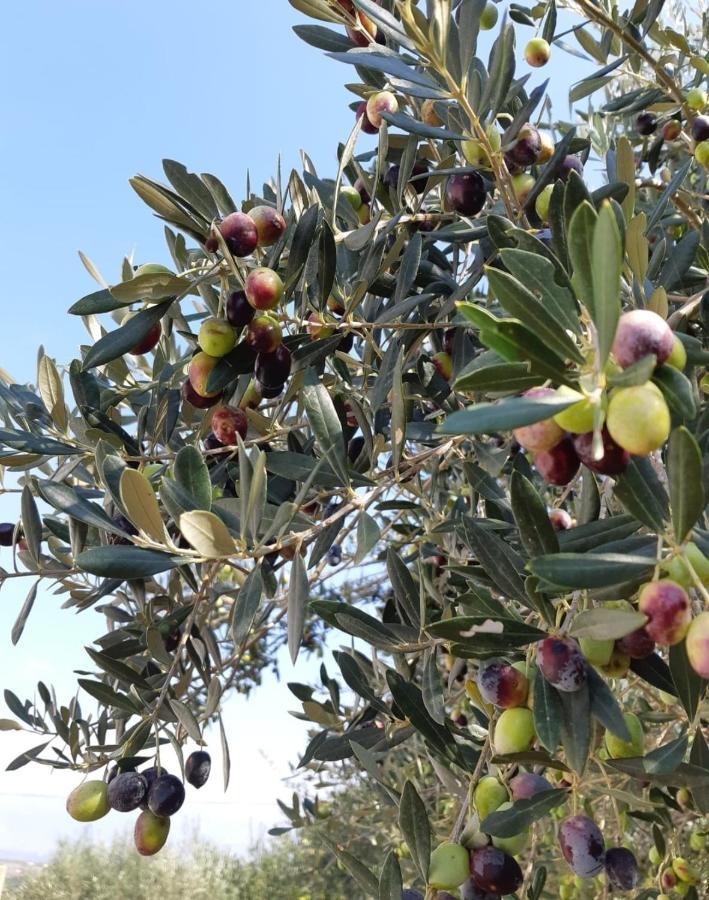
pixel 94 93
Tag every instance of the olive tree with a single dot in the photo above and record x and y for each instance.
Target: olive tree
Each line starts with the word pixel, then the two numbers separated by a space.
pixel 460 370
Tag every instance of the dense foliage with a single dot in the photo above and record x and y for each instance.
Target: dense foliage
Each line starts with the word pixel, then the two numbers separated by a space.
pixel 463 371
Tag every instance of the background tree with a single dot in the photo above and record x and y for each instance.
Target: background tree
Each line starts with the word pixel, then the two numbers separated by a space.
pixel 459 369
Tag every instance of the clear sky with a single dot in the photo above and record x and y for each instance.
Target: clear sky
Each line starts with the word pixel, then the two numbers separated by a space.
pixel 95 92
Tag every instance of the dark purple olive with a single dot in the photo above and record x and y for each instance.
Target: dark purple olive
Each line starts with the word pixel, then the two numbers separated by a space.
pixel 239 233
pixel 622 868
pixel 239 311
pixel 172 640
pixel 126 791
pixel 470 891
pixel 166 795
pixel 391 178
pixel 272 369
pixel 197 768
pixel 495 871
pixel 646 123
pixel 527 147
pixel 268 393
pixel 346 343
pixel 465 193
pixel 614 460
pixel 198 400
pixel 125 525
pixel 212 442
pixel 361 188
pixel 7 529
pixel 700 128
pixel 637 645
pixel 115 770
pixel 568 165
pixel 150 775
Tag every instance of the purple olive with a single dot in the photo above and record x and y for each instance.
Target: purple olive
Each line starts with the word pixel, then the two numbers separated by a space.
pixel 582 845
pixel 568 165
pixel 622 868
pixel 239 311
pixel 470 891
pixel 641 332
pixel 465 193
pixel 272 369
pixel 391 178
pixel 502 684
pixel 614 460
pixel 526 149
pixel 646 123
pixel 562 663
pixel 558 465
pixel 700 129
pixel 637 645
pixel 495 871
pixel 525 785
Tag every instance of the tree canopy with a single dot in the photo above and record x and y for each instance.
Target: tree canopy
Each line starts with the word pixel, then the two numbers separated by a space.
pixel 442 407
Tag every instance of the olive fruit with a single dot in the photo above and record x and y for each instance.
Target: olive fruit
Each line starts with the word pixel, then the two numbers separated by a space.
pixel 272 369
pixel 582 845
pixel 197 400
pixel 558 465
pixel 525 785
pixel 263 334
pixel 561 663
pixel 618 748
pixel 541 435
pixel 227 422
pixel 166 795
pixel 88 802
pixel 449 867
pixel 239 311
pixel 537 52
pixel 270 224
pixel 239 233
pixel 381 102
pixel 698 644
pixel 465 193
pixel 150 833
pixel 367 126
pixel 668 609
pixel 621 868
pixel 502 684
pixel 514 731
pixel 700 128
pixel 126 791
pixel 638 418
pixel 527 146
pixel 641 332
pixel 489 795
pixel 7 530
pixel 614 459
pixel 495 871
pixel 148 341
pixel 646 123
pixel 197 767
pixel 637 645
pixel 264 288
